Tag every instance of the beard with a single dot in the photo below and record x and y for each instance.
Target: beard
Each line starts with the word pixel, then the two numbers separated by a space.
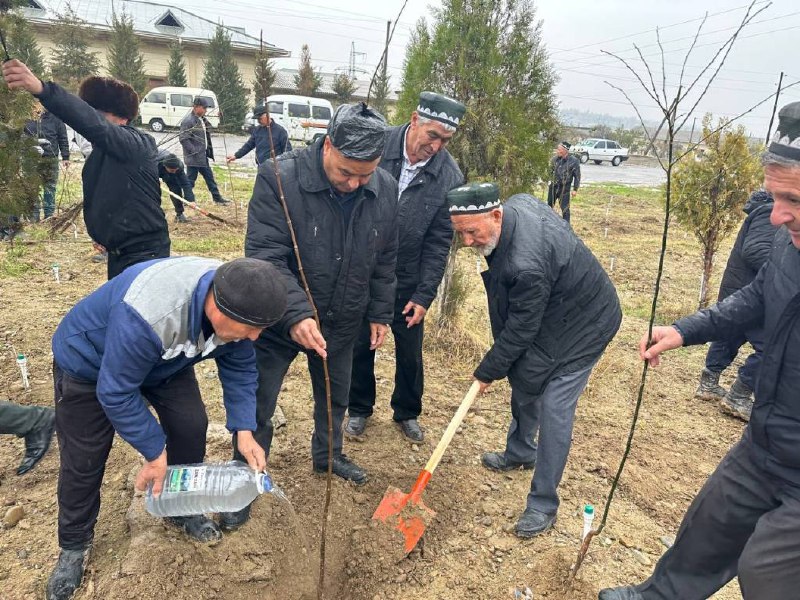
pixel 487 248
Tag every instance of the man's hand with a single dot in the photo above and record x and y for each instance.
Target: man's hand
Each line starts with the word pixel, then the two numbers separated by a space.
pixel 98 247
pixel 251 450
pixel 574 193
pixel 19 77
pixel 377 333
pixel 307 334
pixel 417 313
pixel 483 386
pixel 230 158
pixel 664 338
pixel 153 472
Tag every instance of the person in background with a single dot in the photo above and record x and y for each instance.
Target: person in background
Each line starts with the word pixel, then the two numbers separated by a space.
pixel 170 170
pixel 52 135
pixel 195 138
pixel 260 138
pixel 565 179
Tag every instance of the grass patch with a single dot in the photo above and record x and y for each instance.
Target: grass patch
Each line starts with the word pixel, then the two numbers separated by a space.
pixel 209 245
pixel 12 263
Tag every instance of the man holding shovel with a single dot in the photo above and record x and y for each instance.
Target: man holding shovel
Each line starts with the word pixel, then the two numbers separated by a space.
pixel 553 311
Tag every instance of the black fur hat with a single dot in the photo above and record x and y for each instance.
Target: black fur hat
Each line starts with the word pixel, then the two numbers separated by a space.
pixel 110 95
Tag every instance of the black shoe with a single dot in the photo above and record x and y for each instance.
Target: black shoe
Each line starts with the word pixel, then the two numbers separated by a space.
pixel 198 527
pixel 37 442
pixel 497 461
pixel 619 593
pixel 356 426
pixel 221 201
pixel 709 388
pixel 532 523
pixel 346 469
pixel 231 521
pixel 738 402
pixel 411 430
pixel 67 574
pixel 181 218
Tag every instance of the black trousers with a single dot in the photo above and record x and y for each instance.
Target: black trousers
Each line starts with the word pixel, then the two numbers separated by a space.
pixel 176 204
pixel 563 196
pixel 409 376
pixel 743 523
pixel 273 357
pixel 122 259
pixel 85 435
pixel 208 176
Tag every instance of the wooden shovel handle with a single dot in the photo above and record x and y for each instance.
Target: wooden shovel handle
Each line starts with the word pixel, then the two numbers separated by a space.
pixel 466 403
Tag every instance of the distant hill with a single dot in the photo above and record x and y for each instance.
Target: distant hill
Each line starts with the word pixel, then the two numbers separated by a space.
pixel 586 118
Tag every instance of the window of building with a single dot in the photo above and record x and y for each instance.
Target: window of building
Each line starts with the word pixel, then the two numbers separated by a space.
pixel 169 20
pixel 35 5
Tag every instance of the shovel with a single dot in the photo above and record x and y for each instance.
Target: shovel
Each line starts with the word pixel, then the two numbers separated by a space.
pixel 407 512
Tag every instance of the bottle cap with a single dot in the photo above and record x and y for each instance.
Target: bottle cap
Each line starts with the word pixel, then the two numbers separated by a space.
pixel 264 483
pixel 20 356
pixel 588 509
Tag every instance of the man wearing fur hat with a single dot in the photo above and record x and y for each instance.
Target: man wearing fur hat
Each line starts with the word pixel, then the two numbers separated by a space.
pixel 170 171
pixel 553 311
pixel 195 138
pixel 416 157
pixel 565 178
pixel 744 521
pixel 130 346
pixel 121 196
pixel 344 212
pixel 267 134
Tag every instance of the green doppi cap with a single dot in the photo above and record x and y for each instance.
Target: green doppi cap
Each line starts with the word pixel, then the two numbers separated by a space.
pixel 473 198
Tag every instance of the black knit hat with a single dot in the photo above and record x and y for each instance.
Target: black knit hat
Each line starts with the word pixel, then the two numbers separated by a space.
pixel 250 291
pixel 170 161
pixel 110 95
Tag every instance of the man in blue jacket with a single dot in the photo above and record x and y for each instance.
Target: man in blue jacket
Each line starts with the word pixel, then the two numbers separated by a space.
pixel 260 138
pixel 135 339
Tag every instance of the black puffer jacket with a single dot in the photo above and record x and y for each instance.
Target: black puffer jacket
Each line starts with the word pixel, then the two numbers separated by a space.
pixel 752 246
pixel 350 269
pixel 121 196
pixel 772 300
pixel 552 307
pixel 424 220
pixel 51 128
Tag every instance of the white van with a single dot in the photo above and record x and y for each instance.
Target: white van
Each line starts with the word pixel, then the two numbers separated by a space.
pixel 303 117
pixel 167 106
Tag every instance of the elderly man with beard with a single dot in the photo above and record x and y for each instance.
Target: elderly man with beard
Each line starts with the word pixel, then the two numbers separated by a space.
pixel 553 311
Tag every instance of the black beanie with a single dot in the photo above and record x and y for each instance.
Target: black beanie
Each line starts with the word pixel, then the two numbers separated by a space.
pixel 250 291
pixel 171 161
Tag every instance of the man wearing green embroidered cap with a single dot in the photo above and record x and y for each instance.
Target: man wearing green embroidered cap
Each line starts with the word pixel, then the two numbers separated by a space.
pixel 416 157
pixel 553 311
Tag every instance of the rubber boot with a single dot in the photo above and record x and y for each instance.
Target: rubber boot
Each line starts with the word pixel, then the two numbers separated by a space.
pixel 198 527
pixel 67 574
pixel 738 402
pixel 709 388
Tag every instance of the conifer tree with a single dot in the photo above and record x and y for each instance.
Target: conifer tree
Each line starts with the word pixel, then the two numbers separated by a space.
pixel 380 93
pixel 71 60
pixel 263 77
pixel 22 44
pixel 307 81
pixel 125 61
pixel 222 77
pixel 176 71
pixel 344 87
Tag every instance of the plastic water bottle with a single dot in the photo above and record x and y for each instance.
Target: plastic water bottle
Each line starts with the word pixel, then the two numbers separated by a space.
pixel 588 517
pixel 22 363
pixel 207 488
pixel 56 273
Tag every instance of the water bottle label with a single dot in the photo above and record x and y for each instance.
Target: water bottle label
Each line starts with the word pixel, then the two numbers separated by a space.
pixel 186 479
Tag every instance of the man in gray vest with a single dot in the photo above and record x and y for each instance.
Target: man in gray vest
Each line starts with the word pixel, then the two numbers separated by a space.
pixel 415 156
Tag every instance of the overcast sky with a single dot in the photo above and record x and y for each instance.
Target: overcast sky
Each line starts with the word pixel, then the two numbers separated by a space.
pixel 575 32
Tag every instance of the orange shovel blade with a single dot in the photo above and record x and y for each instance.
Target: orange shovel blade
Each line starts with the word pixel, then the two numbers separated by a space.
pixel 407 515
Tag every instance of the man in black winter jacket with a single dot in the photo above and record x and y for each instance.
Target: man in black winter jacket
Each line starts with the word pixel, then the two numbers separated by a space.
pixel 565 179
pixel 121 196
pixel 745 520
pixel 750 252
pixel 47 126
pixel 260 138
pixel 553 311
pixel 195 138
pixel 344 213
pixel 171 172
pixel 415 156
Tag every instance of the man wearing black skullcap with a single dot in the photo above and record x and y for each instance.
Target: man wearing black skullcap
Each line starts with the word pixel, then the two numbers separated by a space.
pixel 565 178
pixel 134 341
pixel 416 157
pixel 121 197
pixel 171 172
pixel 263 137
pixel 553 311
pixel 195 138
pixel 745 520
pixel 343 209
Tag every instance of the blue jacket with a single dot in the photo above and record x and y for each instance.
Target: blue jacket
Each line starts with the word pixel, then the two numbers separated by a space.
pixel 140 329
pixel 259 140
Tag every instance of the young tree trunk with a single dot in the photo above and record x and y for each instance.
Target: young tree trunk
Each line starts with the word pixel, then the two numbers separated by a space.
pixel 447 307
pixel 708 264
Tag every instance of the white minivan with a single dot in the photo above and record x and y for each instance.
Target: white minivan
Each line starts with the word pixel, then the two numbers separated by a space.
pixel 167 106
pixel 304 118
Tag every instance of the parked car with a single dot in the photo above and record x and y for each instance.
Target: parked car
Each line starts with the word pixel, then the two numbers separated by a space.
pixel 598 150
pixel 304 118
pixel 167 106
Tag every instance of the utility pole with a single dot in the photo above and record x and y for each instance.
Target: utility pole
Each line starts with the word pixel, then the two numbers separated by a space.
pixel 386 50
pixel 774 108
pixel 691 133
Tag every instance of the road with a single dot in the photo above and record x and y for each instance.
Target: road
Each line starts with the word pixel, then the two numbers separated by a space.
pixel 230 142
pixel 627 174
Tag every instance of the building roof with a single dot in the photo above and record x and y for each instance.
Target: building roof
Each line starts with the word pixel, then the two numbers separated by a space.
pixel 284 80
pixel 150 19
